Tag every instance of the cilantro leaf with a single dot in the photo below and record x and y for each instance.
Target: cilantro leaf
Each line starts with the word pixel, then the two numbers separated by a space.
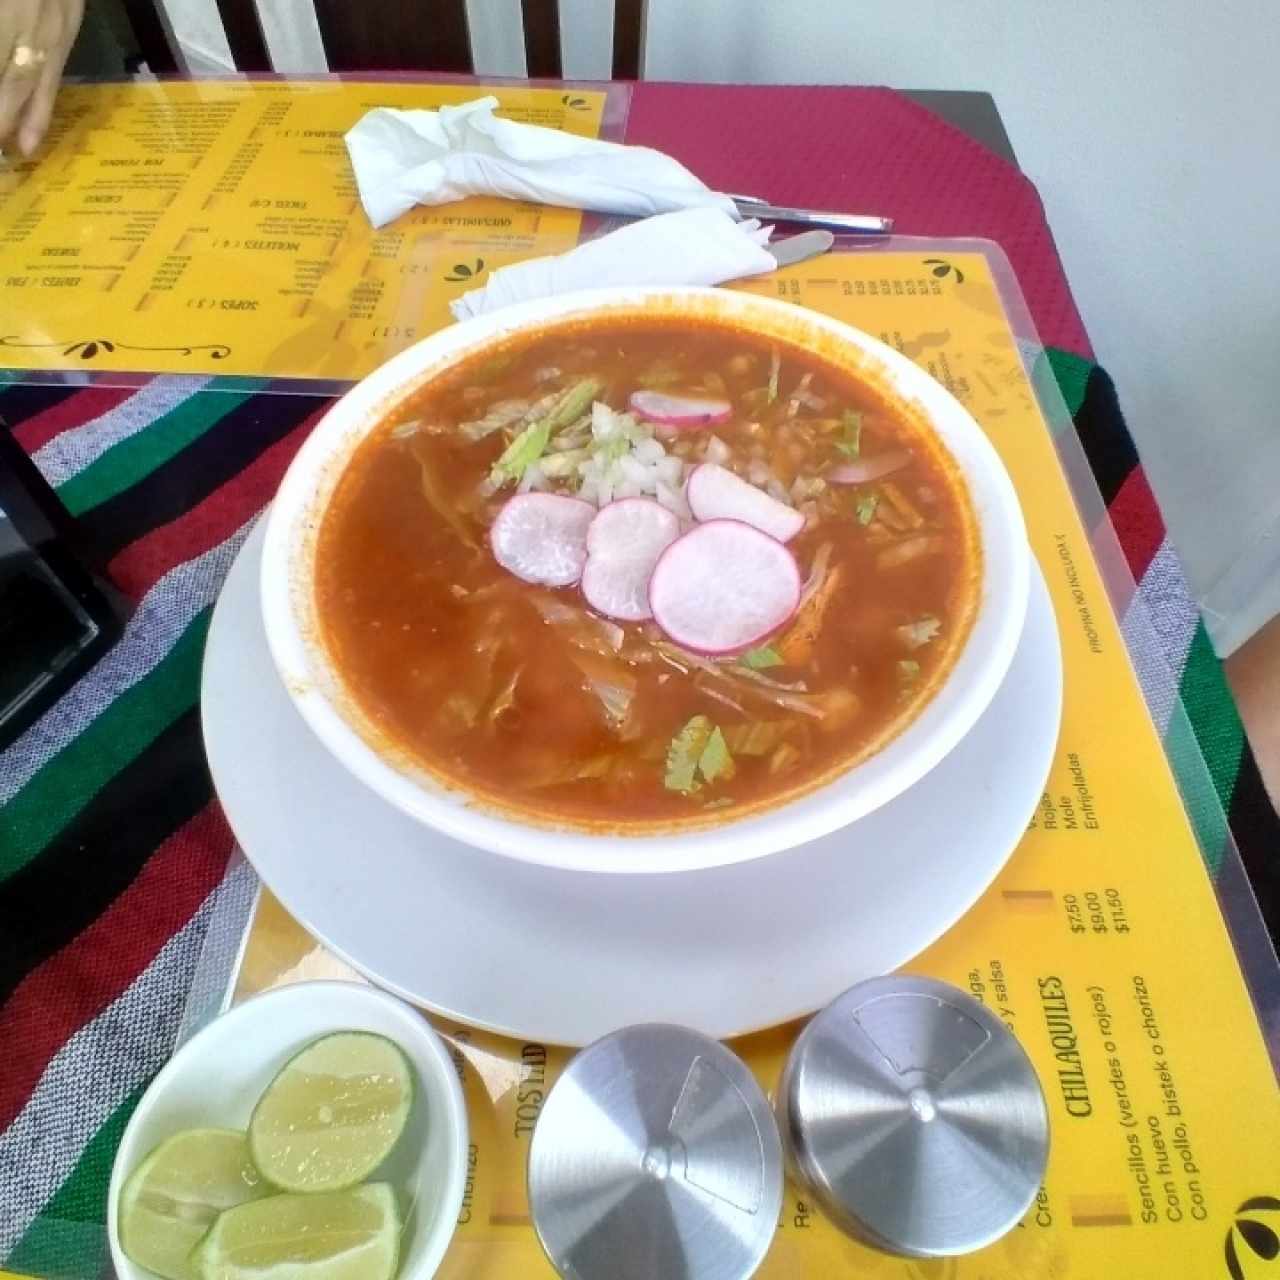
pixel 865 507
pixel 761 659
pixel 851 445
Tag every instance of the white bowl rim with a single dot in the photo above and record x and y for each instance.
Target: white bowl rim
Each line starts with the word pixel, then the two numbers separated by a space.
pixel 428 1047
pixel 976 673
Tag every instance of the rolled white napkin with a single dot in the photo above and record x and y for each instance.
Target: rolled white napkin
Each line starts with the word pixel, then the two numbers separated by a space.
pixel 694 246
pixel 403 158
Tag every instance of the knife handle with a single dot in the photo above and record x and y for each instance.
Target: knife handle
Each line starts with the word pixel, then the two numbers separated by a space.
pixel 862 223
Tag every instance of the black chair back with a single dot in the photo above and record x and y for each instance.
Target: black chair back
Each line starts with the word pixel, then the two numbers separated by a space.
pixel 404 35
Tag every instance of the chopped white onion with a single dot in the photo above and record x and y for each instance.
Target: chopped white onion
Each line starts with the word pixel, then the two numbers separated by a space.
pixel 633 472
pixel 717 451
pixel 624 459
pixel 670 471
pixel 534 478
pixel 605 423
pixel 806 487
pixel 649 451
pixel 673 499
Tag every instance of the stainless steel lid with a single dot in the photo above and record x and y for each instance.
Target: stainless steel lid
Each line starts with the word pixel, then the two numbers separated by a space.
pixel 656 1155
pixel 914 1117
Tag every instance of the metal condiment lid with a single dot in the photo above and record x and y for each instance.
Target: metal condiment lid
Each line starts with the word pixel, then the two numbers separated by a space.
pixel 914 1117
pixel 655 1154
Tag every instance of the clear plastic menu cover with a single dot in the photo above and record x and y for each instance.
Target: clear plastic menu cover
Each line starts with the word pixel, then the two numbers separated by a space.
pixel 213 227
pixel 1153 1029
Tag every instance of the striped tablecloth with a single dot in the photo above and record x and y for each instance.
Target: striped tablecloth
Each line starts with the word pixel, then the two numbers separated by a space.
pixel 113 851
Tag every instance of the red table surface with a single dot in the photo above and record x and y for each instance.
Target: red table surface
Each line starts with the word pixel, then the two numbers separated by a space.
pixel 863 150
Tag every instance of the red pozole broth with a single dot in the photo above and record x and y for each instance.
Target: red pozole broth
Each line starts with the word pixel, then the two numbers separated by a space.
pixel 521 693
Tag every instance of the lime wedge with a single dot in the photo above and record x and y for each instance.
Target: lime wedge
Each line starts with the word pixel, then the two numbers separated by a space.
pixel 333 1235
pixel 172 1198
pixel 333 1112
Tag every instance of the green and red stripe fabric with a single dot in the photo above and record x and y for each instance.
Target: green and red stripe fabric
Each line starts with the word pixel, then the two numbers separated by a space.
pixel 1181 675
pixel 113 852
pixel 114 855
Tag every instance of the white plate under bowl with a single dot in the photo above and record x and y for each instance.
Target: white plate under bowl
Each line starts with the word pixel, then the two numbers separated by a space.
pixel 217 1076
pixel 567 956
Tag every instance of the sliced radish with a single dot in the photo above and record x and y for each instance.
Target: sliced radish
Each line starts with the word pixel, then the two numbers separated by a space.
pixel 867 469
pixel 623 544
pixel 684 412
pixel 715 493
pixel 723 586
pixel 542 537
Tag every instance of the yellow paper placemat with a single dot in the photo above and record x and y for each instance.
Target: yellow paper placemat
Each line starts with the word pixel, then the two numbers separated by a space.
pixel 214 227
pixel 1100 945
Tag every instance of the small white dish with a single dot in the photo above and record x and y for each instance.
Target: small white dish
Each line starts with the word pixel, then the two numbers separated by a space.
pixel 319 693
pixel 218 1075
pixel 567 956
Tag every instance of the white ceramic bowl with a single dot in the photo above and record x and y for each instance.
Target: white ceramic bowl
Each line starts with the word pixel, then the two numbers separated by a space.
pixel 292 628
pixel 218 1075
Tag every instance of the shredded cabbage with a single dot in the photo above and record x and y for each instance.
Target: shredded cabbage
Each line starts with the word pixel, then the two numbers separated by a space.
pixel 684 753
pixel 715 761
pixel 529 446
pixel 697 754
pixel 915 635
